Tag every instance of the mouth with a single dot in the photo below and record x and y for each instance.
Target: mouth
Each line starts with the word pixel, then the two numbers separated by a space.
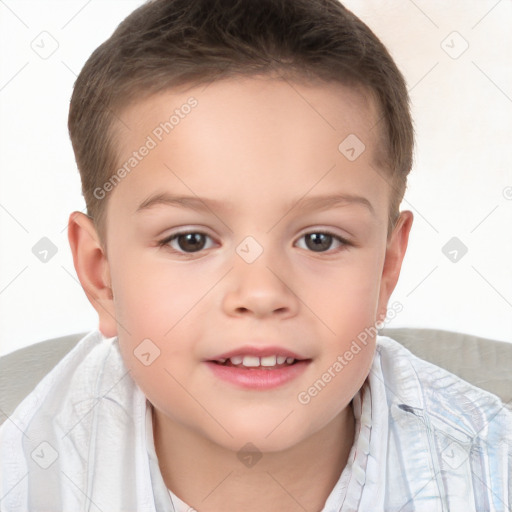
pixel 253 372
pixel 271 362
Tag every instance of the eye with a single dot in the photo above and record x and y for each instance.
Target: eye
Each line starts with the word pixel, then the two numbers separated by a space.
pixel 187 242
pixel 320 241
pixel 195 241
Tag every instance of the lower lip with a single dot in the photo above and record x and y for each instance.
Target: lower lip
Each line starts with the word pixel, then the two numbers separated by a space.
pixel 255 378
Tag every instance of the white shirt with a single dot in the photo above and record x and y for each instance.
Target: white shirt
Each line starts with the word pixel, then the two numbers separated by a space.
pixel 425 441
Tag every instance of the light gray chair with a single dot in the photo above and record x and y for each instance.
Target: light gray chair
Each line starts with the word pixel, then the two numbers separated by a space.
pixel 483 362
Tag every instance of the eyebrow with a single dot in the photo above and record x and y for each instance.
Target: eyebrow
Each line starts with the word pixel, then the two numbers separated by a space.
pixel 322 202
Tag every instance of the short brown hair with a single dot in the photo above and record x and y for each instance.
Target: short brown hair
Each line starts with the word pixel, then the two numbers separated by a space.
pixel 168 43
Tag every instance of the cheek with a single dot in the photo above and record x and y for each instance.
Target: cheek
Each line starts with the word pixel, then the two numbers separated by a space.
pixel 337 379
pixel 346 295
pixel 156 310
pixel 151 297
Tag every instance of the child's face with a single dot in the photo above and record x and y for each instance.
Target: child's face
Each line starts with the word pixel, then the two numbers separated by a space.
pixel 255 156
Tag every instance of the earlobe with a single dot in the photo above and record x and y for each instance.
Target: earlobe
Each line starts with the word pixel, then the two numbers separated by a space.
pixel 395 252
pixel 92 267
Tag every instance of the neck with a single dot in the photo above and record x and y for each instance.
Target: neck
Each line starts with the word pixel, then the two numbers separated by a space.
pixel 211 478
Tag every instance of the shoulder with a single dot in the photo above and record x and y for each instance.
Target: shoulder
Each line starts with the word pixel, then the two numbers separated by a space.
pixel 84 414
pixel 449 442
pixel 450 402
pixel 79 366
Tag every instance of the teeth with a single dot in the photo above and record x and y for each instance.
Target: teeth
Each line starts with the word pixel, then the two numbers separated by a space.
pixel 253 361
pixel 268 361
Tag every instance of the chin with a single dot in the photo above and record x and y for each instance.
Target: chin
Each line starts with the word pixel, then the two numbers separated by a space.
pixel 263 437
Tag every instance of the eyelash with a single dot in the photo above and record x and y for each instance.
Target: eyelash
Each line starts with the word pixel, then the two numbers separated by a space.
pixel 165 242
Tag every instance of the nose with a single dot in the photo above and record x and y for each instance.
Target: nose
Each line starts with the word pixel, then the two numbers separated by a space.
pixel 259 289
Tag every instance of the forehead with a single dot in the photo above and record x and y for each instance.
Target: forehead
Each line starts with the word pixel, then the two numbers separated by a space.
pixel 244 133
pixel 240 102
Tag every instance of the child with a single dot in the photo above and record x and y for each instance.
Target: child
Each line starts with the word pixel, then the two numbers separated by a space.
pixel 243 163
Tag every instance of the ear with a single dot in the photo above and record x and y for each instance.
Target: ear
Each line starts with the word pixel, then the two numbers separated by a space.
pixel 395 252
pixel 92 268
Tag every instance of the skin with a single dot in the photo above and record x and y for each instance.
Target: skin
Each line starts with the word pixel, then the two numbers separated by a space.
pixel 258 146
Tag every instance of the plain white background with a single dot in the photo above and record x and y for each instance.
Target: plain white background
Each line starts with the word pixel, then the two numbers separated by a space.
pixel 457 59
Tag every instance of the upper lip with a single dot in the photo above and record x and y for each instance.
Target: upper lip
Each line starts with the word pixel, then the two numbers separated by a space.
pixel 258 351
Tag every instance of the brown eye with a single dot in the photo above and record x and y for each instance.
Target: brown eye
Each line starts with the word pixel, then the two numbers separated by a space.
pixel 187 242
pixel 322 242
pixel 318 241
pixel 191 242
